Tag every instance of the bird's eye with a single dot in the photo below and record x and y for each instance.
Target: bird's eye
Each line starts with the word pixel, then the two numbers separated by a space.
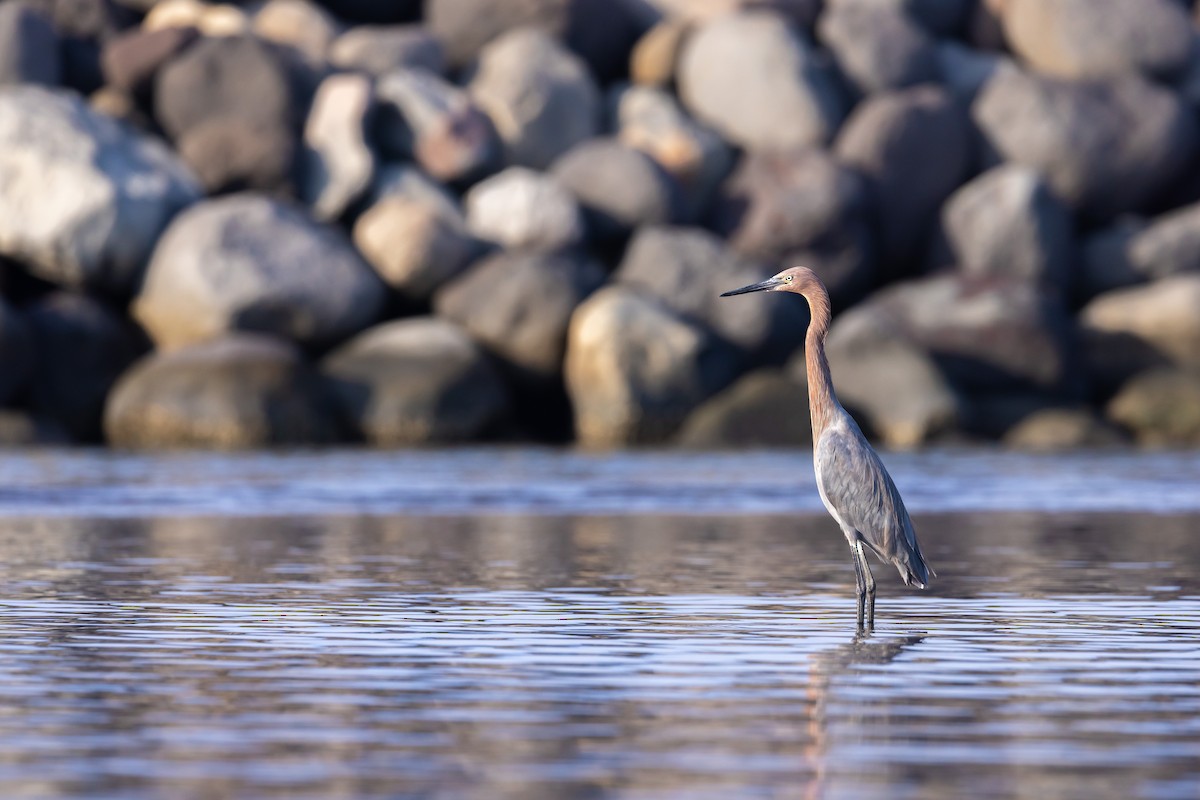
pixel 789 278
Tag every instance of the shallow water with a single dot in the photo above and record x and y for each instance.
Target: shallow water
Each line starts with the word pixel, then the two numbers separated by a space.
pixel 536 644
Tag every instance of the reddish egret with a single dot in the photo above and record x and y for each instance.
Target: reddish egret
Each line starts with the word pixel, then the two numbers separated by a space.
pixel 853 482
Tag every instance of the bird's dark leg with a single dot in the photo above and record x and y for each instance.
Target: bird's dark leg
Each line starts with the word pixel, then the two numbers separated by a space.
pixel 868 580
pixel 860 588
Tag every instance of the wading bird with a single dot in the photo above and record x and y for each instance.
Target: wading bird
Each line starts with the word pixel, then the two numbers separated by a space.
pixel 853 482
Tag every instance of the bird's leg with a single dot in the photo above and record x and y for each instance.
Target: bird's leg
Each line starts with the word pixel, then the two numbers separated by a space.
pixel 860 588
pixel 868 580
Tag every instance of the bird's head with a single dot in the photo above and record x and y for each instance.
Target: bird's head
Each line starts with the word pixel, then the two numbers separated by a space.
pixel 792 279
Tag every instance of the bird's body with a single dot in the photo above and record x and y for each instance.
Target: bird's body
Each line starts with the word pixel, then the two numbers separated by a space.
pixel 854 485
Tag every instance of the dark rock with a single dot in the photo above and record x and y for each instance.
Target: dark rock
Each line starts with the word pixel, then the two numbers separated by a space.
pixel 943 17
pixel 1133 252
pixel 520 209
pixel 914 146
pixel 964 71
pixel 688 268
pixel 1007 222
pixel 20 429
pixel 242 391
pixel 413 245
pixel 635 371
pixel 891 384
pixel 618 187
pixel 1104 147
pixel 337 163
pixel 423 116
pixel 380 49
pixel 248 263
pixel 82 348
pixel 801 207
pixel 758 83
pixel 1088 39
pixel 85 198
pixel 519 306
pixel 229 154
pixel 1165 315
pixel 765 408
pixel 540 97
pixel 29 48
pixel 604 32
pixel 132 59
pixel 1060 429
pixel 416 381
pixel 373 11
pixel 16 353
pixel 1161 407
pixel 878 47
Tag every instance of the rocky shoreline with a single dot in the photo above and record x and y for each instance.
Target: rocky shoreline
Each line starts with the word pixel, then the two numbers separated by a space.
pixel 416 223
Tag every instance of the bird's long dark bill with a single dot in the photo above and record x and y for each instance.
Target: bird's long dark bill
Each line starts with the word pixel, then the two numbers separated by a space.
pixel 761 286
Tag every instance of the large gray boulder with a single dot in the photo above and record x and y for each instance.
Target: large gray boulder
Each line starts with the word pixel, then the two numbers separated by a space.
pixel 687 269
pixel 635 371
pixel 878 46
pixel 1134 251
pixel 416 381
pixel 29 46
pixel 84 198
pixel 413 245
pixel 618 187
pixel 81 348
pixel 1088 39
pixel 915 148
pixel 891 384
pixel 1161 408
pixel 764 408
pixel 1105 147
pixel 518 307
pixel 1164 315
pixel 425 117
pixel 337 163
pixel 520 209
pixel 250 263
pixel 228 154
pixel 755 80
pixel 16 353
pixel 652 121
pixel 1063 429
pixel 1007 222
pixel 539 96
pixel 380 49
pixel 800 207
pixel 242 391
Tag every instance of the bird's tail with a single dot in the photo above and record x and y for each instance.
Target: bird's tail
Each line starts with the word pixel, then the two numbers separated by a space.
pixel 916 571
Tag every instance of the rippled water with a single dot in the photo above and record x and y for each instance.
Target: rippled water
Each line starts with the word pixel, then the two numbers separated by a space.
pixel 524 624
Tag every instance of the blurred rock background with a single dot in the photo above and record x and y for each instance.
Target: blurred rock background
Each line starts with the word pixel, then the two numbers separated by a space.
pixel 405 223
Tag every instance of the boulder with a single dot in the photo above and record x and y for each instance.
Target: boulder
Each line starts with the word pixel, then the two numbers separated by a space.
pixel 520 209
pixel 990 335
pixel 1164 315
pixel 618 187
pixel 877 46
pixel 337 162
pixel 302 25
pixel 464 27
pixel 399 179
pixel 243 391
pixel 539 96
pixel 518 307
pixel 228 154
pixel 1007 222
pixel 16 353
pixel 29 47
pixel 635 371
pixel 752 78
pixel 133 59
pixel 650 120
pixel 1105 148
pixel 423 116
pixel 687 269
pixel 891 384
pixel 250 263
pixel 1161 408
pixel 1090 39
pixel 764 408
pixel 85 198
pixel 1133 252
pixel 1063 429
pixel 915 148
pixel 82 348
pixel 801 207
pixel 413 245
pixel 416 381
pixel 380 49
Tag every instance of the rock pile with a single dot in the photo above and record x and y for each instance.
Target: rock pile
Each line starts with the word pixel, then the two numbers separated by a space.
pixel 291 222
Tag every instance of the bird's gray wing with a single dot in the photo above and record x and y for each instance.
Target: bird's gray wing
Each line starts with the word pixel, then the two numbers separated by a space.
pixel 861 492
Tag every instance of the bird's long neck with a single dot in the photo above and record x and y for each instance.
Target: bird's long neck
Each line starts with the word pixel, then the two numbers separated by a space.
pixel 822 401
